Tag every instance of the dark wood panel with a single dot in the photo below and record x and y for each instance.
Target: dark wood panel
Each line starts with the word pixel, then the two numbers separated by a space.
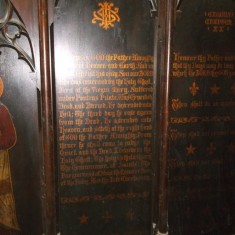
pixel 201 161
pixel 104 86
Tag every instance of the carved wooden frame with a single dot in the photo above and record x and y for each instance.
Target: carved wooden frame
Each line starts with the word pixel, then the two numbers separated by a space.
pixel 9 39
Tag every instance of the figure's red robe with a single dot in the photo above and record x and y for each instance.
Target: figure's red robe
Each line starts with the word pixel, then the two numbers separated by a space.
pixel 8 217
pixel 7 130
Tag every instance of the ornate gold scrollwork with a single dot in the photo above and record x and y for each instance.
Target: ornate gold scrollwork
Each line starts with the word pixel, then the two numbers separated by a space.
pixel 107 15
pixel 11 30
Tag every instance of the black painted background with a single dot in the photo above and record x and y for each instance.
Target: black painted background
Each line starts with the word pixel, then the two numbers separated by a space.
pixel 75 35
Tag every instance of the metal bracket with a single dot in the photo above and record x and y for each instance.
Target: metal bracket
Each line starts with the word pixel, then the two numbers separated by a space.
pixel 11 30
pixel 154 8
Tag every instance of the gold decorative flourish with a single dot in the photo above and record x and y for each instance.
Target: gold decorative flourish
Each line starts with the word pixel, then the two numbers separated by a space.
pixel 231 148
pixel 107 15
pixel 190 150
pixel 194 89
pixel 177 104
pixel 211 149
pixel 233 88
pixel 214 89
pixel 83 219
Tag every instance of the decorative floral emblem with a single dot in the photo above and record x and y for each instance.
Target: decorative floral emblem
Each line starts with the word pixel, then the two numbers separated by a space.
pixel 107 15
pixel 194 89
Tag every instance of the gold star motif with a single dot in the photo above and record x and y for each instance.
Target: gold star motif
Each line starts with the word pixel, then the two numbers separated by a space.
pixel 233 88
pixel 214 89
pixel 211 149
pixel 194 89
pixel 231 148
pixel 83 219
pixel 190 150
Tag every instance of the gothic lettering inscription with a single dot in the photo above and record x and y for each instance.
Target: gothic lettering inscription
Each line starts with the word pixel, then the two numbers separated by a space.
pixel 202 119
pixel 104 86
pixel 105 123
pixel 217 70
pixel 202 129
pixel 219 21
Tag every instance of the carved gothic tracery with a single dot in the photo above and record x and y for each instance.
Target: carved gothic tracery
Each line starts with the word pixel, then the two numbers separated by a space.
pixel 12 29
pixel 153 4
pixel 178 3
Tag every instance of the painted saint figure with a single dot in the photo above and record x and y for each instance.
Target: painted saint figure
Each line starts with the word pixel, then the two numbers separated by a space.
pixel 8 219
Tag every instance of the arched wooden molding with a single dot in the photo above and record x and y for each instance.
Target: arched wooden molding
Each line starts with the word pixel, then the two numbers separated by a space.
pixel 178 4
pixel 56 2
pixel 154 6
pixel 12 28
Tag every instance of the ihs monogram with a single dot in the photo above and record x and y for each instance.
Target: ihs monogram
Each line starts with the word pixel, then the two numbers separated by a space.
pixel 107 15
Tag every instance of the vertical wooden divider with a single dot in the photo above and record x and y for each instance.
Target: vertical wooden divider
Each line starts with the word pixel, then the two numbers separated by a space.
pixel 47 119
pixel 166 17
